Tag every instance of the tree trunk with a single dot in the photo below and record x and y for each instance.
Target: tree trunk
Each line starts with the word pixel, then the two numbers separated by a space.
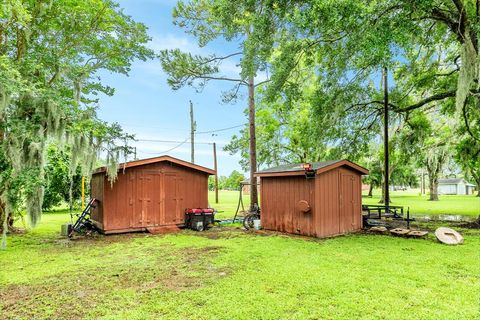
pixel 370 190
pixel 434 190
pixel 476 178
pixel 253 143
pixel 434 168
pixel 382 199
pixel 433 172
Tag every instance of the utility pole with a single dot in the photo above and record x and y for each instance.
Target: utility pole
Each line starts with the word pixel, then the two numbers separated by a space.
pixel 193 126
pixel 386 168
pixel 135 153
pixel 215 168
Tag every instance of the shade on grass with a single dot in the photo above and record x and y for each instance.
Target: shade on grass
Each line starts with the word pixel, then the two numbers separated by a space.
pixel 233 275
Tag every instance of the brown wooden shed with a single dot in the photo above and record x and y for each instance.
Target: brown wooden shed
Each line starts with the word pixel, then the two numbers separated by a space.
pixel 326 204
pixel 148 194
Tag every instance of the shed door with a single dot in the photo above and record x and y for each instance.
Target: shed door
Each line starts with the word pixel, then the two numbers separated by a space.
pixel 148 199
pixel 348 185
pixel 170 213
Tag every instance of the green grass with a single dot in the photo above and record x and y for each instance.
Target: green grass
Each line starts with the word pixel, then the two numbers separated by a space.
pixel 227 273
pixel 419 204
pixel 227 202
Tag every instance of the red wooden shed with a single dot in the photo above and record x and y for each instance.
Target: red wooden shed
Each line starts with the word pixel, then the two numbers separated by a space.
pixel 326 203
pixel 148 194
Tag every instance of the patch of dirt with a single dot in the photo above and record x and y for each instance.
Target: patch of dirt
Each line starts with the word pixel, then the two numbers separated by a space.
pixel 194 255
pixel 218 233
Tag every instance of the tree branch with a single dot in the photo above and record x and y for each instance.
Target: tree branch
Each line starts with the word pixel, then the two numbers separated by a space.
pixel 262 82
pixel 467 124
pixel 220 58
pixel 435 97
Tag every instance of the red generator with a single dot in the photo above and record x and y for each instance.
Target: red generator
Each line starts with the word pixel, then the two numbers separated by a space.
pixel 199 219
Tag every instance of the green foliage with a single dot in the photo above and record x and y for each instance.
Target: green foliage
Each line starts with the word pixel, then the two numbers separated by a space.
pixel 211 183
pixel 50 53
pixel 468 156
pixel 232 182
pixel 335 51
pixel 58 179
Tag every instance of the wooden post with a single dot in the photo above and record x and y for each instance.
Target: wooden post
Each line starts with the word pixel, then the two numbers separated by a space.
pixel 215 168
pixel 192 132
pixel 386 169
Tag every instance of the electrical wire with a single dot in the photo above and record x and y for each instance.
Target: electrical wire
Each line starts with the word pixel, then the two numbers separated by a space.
pixel 171 149
pixel 177 146
pixel 223 129
pixel 170 141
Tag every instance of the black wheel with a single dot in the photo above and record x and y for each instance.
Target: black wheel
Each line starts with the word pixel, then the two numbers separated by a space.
pixel 248 220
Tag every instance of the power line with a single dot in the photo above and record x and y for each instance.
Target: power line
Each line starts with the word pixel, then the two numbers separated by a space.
pixel 182 130
pixel 171 149
pixel 170 141
pixel 223 129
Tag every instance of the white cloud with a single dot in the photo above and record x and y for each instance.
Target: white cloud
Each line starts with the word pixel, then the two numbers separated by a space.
pixel 170 41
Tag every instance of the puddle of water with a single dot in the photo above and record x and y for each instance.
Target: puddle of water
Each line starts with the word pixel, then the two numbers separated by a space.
pixel 444 217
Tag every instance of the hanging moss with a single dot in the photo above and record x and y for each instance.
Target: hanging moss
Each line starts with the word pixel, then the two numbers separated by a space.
pixel 469 72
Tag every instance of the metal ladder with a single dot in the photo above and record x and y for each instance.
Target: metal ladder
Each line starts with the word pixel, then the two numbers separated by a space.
pixel 83 216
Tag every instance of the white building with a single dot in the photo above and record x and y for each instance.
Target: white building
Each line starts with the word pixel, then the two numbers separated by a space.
pixel 455 186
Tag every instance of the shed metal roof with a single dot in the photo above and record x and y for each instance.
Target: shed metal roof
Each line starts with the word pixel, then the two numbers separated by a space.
pixel 142 162
pixel 319 167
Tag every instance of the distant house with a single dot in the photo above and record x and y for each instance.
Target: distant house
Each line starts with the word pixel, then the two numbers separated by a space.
pixel 455 186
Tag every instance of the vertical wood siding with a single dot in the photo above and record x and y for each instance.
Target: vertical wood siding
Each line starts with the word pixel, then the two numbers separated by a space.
pixel 280 197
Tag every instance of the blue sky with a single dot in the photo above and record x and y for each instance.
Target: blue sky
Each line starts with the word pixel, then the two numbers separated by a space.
pixel 146 106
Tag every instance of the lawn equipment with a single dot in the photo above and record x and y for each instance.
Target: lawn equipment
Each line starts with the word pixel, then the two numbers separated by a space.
pixel 199 219
pixel 84 224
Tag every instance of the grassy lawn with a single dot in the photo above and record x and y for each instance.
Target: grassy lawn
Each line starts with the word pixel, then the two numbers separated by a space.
pixel 226 273
pixel 227 202
pixel 419 204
